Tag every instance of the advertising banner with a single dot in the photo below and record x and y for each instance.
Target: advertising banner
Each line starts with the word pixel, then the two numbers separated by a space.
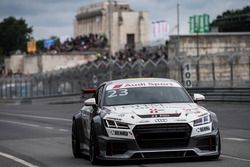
pixel 160 30
pixel 199 23
pixel 48 43
pixel 31 46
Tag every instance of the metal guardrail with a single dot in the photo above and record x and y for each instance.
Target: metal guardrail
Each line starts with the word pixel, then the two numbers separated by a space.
pixel 212 74
pixel 223 94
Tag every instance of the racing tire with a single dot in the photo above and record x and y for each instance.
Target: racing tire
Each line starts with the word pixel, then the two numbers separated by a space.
pixel 75 142
pixel 93 147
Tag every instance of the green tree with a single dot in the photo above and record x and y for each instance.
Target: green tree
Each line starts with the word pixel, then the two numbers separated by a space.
pixel 14 35
pixel 40 45
pixel 233 20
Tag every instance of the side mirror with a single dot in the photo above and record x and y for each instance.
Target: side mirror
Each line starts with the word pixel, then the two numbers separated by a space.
pixel 90 102
pixel 198 97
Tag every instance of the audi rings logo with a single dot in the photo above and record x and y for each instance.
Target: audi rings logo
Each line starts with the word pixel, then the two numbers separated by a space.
pixel 161 120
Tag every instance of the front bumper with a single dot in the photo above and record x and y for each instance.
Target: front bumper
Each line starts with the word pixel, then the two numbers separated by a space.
pixel 122 149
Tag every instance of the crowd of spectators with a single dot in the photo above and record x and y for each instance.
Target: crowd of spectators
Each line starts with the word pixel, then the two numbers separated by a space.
pixel 100 41
pixel 80 43
pixel 131 55
pixel 84 43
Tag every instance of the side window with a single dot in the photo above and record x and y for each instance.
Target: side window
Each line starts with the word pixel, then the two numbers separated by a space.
pixel 99 95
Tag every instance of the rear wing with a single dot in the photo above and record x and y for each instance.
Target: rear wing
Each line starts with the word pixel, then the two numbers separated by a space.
pixel 88 91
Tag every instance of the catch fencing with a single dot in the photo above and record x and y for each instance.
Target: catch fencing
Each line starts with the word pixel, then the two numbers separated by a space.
pixel 226 70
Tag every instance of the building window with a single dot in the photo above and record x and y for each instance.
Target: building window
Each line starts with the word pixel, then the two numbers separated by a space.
pixel 130 41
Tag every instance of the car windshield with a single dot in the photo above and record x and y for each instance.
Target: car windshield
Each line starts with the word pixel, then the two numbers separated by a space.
pixel 146 95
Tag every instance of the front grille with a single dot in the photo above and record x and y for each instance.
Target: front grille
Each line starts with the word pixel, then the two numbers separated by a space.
pixel 162 135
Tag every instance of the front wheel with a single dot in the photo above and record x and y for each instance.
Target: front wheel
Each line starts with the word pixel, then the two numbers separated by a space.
pixel 93 147
pixel 75 142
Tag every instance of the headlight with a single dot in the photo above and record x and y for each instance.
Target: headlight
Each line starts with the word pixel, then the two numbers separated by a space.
pixel 201 121
pixel 116 124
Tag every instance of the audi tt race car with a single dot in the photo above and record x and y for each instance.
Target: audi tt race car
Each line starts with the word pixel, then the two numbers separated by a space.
pixel 146 118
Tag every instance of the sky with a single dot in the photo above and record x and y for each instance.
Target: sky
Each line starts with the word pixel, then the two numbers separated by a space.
pixel 55 17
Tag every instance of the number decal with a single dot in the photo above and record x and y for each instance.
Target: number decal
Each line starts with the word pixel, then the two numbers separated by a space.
pixel 115 93
pixel 112 93
pixel 187 67
pixel 123 92
pixel 187 75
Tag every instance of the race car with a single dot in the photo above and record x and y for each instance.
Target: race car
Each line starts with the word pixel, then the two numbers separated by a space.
pixel 145 118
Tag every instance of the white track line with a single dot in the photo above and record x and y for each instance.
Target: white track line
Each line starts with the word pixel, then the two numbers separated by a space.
pixel 17 160
pixel 48 127
pixel 33 125
pixel 235 139
pixel 235 158
pixel 21 123
pixel 63 130
pixel 39 117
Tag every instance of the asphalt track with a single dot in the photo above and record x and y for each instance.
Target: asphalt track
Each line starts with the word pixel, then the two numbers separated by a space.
pixel 39 135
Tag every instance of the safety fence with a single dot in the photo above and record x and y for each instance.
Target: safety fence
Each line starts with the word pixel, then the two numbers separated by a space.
pixel 224 71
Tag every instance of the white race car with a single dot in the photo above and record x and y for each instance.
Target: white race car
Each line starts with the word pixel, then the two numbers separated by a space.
pixel 146 118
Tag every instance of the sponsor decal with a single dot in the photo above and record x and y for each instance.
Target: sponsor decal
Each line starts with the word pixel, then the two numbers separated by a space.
pixel 143 84
pixel 161 120
pixel 144 121
pixel 203 129
pixel 187 109
pixel 160 115
pixel 121 115
pixel 154 116
pixel 181 120
pixel 119 133
pixel 117 86
pixel 153 110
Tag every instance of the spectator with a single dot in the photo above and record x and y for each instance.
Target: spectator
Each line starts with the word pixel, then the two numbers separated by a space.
pixel 80 43
pixel 130 55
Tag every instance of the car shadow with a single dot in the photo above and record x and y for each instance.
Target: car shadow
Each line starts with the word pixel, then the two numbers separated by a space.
pixel 154 161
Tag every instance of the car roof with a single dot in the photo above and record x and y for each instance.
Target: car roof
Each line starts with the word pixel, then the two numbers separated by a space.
pixel 134 80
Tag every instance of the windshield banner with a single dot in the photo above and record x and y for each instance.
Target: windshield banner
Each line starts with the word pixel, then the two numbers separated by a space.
pixel 143 84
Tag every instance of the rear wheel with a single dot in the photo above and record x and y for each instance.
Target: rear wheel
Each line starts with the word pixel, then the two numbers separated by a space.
pixel 75 142
pixel 93 147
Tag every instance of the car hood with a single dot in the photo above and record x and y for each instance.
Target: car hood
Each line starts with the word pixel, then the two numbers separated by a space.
pixel 155 113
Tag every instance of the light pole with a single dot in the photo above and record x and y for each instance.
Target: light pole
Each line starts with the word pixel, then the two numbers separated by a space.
pixel 110 15
pixel 178 29
pixel 198 53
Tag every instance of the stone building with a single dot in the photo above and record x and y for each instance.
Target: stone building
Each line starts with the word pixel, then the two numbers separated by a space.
pixel 122 25
pixel 210 43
